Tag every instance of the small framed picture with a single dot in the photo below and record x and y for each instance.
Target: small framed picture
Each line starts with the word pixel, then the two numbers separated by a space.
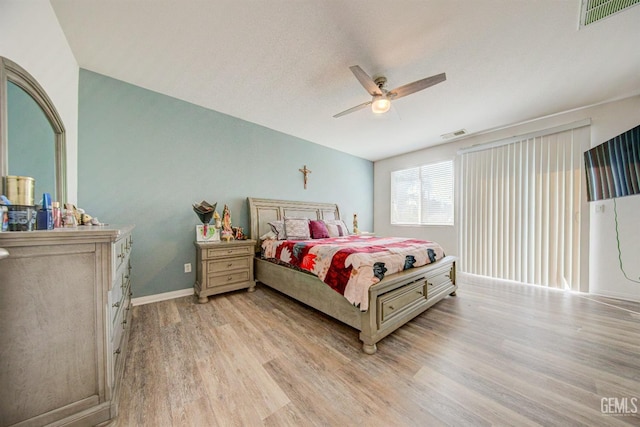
pixel 212 234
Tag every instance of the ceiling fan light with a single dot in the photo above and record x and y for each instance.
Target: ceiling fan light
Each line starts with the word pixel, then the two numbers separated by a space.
pixel 380 104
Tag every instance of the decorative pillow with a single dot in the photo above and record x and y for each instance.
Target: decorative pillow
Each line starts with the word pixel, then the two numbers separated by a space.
pixel 318 230
pixel 336 227
pixel 297 228
pixel 269 235
pixel 278 229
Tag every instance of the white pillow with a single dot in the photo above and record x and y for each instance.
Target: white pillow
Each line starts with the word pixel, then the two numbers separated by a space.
pixel 269 235
pixel 336 227
pixel 277 227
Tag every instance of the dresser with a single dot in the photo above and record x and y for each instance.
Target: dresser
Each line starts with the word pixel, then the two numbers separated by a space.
pixel 223 267
pixel 65 299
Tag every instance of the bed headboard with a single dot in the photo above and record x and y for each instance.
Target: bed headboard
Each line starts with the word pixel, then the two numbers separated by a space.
pixel 262 211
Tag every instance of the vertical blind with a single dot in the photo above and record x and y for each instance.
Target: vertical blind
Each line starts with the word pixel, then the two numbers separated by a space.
pixel 520 209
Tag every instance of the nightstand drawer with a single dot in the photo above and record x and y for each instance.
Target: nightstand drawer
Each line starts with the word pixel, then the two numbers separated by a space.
pixel 227 279
pixel 229 251
pixel 229 264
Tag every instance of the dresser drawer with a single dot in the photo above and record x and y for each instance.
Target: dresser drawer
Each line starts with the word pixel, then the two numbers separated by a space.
pixel 115 293
pixel 120 325
pixel 395 302
pixel 229 278
pixel 229 264
pixel 118 335
pixel 114 308
pixel 230 251
pixel 119 254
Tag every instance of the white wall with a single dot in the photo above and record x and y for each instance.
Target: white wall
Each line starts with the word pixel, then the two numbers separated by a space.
pixel 31 36
pixel 606 276
pixel 602 272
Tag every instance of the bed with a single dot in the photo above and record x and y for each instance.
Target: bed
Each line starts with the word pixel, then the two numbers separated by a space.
pixel 392 302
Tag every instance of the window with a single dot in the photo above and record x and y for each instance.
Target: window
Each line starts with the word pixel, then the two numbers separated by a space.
pixel 423 195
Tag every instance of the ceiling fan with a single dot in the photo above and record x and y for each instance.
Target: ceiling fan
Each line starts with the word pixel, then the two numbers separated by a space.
pixel 381 101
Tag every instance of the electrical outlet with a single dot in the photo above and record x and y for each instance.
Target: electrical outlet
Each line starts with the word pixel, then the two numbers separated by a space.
pixel 600 208
pixel 187 267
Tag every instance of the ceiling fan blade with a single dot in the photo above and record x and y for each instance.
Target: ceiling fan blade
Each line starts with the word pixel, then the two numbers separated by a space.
pixel 365 80
pixel 416 86
pixel 353 109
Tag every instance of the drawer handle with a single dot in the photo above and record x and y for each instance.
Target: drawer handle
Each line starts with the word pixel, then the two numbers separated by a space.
pixel 229 265
pixel 116 304
pixel 419 292
pixel 391 307
pixel 429 284
pixel 124 323
pixel 229 278
pixel 126 276
pixel 230 251
pixel 128 307
pixel 117 351
pixel 130 293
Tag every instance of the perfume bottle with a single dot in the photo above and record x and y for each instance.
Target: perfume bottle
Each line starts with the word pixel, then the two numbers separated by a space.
pixel 57 215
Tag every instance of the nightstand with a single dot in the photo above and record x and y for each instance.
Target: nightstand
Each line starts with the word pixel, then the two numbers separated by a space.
pixel 223 267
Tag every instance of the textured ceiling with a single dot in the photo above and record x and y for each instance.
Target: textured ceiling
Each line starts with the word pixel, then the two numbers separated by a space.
pixel 284 64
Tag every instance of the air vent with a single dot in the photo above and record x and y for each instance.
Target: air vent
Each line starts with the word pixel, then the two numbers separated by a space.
pixel 454 134
pixel 595 10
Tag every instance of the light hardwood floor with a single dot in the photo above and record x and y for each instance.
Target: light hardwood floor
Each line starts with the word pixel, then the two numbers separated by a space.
pixel 494 355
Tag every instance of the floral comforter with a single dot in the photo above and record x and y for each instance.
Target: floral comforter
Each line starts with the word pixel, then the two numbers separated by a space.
pixel 351 264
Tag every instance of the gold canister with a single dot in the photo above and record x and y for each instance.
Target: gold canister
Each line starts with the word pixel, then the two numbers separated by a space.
pixel 19 189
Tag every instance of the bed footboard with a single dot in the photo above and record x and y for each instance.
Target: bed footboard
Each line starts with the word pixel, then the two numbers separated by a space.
pixel 402 297
pixel 393 301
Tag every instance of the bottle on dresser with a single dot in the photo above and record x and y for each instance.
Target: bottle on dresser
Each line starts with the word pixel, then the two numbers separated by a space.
pixel 57 215
pixel 44 218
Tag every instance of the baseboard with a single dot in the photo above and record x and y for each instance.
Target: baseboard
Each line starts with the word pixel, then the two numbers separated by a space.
pixel 162 297
pixel 616 295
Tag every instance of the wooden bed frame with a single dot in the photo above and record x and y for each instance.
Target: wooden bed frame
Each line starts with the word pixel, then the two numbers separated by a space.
pixel 393 301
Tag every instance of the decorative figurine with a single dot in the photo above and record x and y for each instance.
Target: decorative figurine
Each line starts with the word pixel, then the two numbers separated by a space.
pixel 355 224
pixel 227 229
pixel 238 233
pixel 217 221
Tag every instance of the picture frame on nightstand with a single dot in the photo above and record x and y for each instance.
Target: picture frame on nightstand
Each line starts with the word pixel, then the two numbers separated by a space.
pixel 212 234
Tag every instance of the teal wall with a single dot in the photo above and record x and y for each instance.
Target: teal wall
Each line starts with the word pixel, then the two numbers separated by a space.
pixel 145 158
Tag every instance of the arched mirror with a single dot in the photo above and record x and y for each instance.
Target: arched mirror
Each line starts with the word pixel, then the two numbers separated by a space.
pixel 32 136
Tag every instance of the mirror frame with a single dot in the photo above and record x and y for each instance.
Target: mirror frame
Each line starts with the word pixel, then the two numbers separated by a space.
pixel 12 72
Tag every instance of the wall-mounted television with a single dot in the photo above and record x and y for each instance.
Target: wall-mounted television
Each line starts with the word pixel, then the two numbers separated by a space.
pixel 613 167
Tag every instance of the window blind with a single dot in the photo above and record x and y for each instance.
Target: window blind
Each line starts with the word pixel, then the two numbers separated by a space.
pixel 423 195
pixel 520 209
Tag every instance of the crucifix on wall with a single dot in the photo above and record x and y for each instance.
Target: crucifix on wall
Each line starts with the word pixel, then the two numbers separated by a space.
pixel 305 172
